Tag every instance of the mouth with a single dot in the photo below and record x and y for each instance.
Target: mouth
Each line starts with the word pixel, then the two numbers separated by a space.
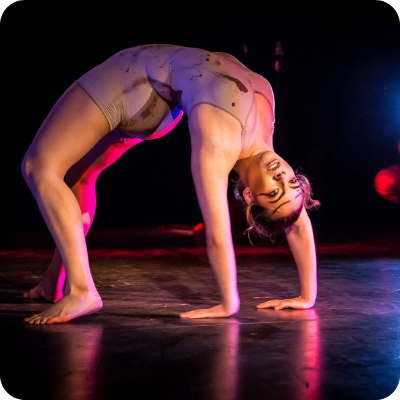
pixel 273 165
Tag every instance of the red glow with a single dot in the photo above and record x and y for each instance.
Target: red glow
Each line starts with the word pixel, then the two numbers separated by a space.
pixel 199 226
pixel 385 246
pixel 387 183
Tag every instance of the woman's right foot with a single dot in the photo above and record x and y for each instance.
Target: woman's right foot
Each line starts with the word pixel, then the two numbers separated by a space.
pixel 50 293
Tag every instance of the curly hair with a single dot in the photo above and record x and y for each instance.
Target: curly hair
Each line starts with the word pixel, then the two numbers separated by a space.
pixel 257 216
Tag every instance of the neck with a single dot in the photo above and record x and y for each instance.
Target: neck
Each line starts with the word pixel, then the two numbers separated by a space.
pixel 247 156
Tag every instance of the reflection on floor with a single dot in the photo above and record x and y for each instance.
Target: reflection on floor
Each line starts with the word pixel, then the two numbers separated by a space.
pixel 346 347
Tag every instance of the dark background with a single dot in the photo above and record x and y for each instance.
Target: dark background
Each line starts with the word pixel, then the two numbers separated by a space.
pixel 337 108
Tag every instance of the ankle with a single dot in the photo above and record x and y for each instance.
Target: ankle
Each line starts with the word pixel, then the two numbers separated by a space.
pixel 81 291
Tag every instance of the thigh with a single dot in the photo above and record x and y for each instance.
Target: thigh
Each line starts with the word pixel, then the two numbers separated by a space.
pixel 71 129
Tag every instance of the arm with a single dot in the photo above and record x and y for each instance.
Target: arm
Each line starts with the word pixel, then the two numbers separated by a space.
pixel 301 242
pixel 211 161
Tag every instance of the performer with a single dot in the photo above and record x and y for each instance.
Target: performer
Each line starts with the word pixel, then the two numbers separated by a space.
pixel 141 93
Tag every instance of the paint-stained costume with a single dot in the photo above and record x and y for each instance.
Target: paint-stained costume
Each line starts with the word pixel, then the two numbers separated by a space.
pixel 141 90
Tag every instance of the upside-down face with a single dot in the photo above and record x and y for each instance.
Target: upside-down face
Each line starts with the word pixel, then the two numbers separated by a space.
pixel 272 184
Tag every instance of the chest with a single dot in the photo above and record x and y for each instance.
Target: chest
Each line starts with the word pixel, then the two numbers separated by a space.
pixel 260 123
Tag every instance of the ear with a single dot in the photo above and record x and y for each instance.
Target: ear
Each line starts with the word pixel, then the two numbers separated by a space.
pixel 247 195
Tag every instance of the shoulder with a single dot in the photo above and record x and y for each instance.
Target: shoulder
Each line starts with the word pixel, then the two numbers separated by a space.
pixel 215 134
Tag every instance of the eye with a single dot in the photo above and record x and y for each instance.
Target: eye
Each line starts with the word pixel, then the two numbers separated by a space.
pixel 294 180
pixel 274 193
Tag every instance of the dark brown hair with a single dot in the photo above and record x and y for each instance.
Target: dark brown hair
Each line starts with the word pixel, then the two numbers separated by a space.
pixel 257 216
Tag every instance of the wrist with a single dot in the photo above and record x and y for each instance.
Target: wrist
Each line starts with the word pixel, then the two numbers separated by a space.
pixel 310 300
pixel 232 304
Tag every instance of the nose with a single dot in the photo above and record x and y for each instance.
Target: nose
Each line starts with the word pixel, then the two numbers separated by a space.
pixel 279 174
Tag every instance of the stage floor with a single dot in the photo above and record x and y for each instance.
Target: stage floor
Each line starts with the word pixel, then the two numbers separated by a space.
pixel 346 347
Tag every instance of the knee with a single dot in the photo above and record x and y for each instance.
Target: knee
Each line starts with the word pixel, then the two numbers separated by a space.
pixel 35 171
pixel 28 168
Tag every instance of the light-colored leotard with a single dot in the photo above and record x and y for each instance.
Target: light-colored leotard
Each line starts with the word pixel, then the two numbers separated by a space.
pixel 142 89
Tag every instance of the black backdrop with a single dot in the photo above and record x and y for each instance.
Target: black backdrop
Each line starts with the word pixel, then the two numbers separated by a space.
pixel 337 110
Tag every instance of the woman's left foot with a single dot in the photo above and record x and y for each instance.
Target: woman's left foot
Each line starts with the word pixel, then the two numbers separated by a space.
pixel 69 307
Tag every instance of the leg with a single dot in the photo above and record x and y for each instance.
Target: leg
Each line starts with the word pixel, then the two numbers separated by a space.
pixel 81 178
pixel 73 127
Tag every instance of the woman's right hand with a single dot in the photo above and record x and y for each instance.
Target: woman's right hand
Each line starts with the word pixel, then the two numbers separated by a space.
pixel 213 312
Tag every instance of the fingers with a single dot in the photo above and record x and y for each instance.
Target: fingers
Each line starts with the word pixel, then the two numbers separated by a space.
pixel 277 304
pixel 192 314
pixel 271 304
pixel 213 312
pixel 281 306
pixel 296 303
pixel 195 314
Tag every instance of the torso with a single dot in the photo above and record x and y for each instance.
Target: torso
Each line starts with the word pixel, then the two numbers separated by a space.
pixel 168 76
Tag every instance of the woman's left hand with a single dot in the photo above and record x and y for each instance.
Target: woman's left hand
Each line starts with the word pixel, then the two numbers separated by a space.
pixel 298 303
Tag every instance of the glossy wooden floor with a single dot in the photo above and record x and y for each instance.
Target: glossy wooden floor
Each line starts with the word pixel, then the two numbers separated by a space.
pixel 346 347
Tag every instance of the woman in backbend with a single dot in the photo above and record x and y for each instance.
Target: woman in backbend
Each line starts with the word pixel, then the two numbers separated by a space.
pixel 141 93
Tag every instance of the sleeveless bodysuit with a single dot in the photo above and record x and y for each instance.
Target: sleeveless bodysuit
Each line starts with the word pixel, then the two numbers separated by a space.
pixel 141 90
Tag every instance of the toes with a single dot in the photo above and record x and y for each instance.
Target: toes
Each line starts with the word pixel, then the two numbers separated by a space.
pixel 34 319
pixel 28 319
pixel 32 294
pixel 28 295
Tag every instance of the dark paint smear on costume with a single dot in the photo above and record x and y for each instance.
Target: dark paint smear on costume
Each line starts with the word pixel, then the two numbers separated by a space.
pixel 175 95
pixel 239 84
pixel 153 102
pixel 138 82
pixel 151 46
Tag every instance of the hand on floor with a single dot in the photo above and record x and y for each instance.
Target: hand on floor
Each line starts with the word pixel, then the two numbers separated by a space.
pixel 298 303
pixel 213 312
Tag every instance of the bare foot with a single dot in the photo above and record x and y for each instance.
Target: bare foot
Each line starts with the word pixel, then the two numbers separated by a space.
pixel 49 293
pixel 69 307
pixel 214 312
